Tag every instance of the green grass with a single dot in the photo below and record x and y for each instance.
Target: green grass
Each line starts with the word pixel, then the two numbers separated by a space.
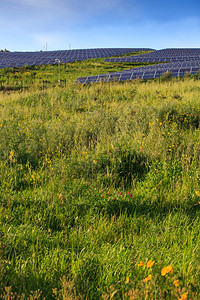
pixel 96 181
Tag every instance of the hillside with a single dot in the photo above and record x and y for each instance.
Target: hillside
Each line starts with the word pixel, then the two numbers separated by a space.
pixel 100 185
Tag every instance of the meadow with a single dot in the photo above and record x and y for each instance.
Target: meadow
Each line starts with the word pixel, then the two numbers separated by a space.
pixel 100 186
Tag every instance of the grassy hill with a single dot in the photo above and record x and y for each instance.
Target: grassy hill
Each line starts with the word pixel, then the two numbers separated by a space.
pixel 100 186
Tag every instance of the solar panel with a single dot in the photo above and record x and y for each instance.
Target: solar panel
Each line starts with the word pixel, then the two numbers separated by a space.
pixel 183 61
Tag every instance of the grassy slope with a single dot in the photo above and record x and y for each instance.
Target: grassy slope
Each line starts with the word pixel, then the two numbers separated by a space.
pixel 95 179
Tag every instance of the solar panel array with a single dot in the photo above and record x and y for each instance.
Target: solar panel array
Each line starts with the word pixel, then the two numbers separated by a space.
pixel 165 55
pixel 20 59
pixel 180 62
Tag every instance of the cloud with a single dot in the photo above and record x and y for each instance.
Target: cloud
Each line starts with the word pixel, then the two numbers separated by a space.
pixel 44 14
pixel 33 3
pixel 91 23
pixel 70 6
pixel 56 15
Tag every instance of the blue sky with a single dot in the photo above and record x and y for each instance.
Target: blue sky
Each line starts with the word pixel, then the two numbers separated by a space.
pixel 28 25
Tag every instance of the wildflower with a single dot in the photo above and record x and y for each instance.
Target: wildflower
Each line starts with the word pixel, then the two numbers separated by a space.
pixel 166 270
pixel 176 283
pixel 127 280
pixel 184 296
pixel 120 193
pixel 148 278
pixel 150 264
pixel 130 195
pixel 197 193
pixel 11 153
pixel 141 264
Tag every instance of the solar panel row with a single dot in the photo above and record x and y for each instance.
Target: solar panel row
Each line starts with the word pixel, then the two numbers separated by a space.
pixel 155 71
pixel 180 62
pixel 164 55
pixel 19 59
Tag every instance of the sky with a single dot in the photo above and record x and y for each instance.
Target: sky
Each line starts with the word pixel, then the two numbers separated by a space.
pixel 35 25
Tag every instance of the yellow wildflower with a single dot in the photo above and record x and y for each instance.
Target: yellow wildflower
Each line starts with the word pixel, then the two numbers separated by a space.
pixel 127 279
pixel 141 264
pixel 184 296
pixel 150 263
pixel 197 193
pixel 166 270
pixel 176 283
pixel 148 278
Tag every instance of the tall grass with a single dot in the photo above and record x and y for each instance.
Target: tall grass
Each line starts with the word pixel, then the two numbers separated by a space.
pixel 100 188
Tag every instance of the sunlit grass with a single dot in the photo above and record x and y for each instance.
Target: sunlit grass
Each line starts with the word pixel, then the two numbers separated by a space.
pixel 100 191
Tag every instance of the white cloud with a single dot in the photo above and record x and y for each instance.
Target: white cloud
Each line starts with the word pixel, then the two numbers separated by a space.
pixel 70 6
pixel 68 12
pixel 34 3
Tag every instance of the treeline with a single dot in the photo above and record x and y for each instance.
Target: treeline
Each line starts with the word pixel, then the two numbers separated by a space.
pixel 5 50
